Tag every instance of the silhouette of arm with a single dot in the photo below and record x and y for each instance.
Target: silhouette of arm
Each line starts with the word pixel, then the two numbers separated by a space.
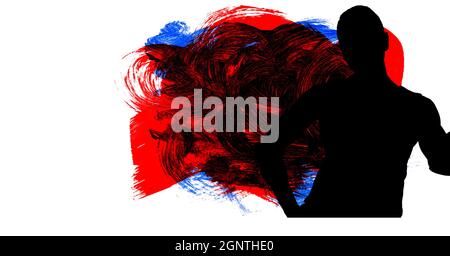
pixel 270 156
pixel 433 141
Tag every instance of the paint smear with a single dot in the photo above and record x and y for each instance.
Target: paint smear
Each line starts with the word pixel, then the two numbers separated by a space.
pixel 240 51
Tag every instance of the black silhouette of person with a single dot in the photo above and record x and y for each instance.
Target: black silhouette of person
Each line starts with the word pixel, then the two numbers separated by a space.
pixel 368 127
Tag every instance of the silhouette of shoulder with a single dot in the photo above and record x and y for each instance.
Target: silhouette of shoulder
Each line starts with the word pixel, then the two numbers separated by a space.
pixel 423 108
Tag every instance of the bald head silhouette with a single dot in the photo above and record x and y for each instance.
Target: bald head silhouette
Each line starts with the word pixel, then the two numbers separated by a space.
pixel 363 40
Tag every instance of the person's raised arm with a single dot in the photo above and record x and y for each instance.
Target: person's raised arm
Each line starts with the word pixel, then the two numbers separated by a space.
pixel 433 141
pixel 270 155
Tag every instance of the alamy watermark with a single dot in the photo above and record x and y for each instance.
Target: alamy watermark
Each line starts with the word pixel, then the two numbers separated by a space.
pixel 188 119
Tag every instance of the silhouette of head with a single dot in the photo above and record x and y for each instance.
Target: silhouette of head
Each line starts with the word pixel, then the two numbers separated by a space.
pixel 362 39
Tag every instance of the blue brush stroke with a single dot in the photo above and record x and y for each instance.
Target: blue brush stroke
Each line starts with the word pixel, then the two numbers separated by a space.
pixel 201 184
pixel 199 179
pixel 321 26
pixel 177 33
pixel 174 33
pixel 160 73
pixel 250 44
pixel 303 190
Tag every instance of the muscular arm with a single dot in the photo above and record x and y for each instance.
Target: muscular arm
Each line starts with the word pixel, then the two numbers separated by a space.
pixel 433 141
pixel 270 156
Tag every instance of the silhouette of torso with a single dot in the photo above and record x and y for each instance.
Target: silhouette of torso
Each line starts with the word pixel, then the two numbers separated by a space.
pixel 368 127
pixel 368 130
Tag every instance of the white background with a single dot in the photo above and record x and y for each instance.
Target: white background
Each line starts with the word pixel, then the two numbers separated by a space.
pixel 65 161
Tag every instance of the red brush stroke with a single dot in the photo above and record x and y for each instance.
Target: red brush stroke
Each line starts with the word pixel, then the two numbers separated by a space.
pixel 394 59
pixel 300 59
pixel 261 18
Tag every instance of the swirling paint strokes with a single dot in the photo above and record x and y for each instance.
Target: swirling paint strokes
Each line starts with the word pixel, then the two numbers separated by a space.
pixel 242 51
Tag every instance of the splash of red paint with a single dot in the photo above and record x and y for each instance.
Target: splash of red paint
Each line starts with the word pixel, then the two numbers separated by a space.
pixel 394 59
pixel 285 59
